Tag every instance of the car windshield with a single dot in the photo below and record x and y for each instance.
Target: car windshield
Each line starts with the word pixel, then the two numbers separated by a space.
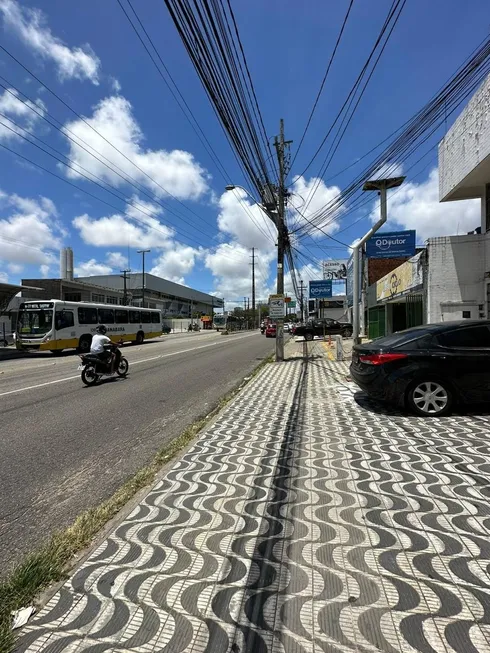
pixel 35 322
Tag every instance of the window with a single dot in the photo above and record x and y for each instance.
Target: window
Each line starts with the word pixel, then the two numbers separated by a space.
pixel 466 315
pixel 64 319
pixel 121 316
pixel 146 317
pixel 73 296
pixel 110 299
pixel 134 317
pixel 87 315
pixel 155 318
pixel 475 336
pixel 106 316
pixel 99 299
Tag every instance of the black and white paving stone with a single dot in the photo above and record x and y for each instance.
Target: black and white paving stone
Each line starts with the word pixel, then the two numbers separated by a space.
pixel 305 519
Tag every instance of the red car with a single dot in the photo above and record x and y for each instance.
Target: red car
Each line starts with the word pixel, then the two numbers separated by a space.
pixel 270 332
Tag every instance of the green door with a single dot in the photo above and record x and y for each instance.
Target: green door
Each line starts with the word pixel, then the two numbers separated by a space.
pixel 376 326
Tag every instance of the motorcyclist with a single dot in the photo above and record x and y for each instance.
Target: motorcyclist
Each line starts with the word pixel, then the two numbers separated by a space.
pixel 100 343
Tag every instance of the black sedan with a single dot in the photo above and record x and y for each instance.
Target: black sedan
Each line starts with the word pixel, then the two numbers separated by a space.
pixel 428 369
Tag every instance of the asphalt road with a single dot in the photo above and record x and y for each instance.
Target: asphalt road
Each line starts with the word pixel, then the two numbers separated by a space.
pixel 65 447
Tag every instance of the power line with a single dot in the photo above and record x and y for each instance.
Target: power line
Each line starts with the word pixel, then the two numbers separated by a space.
pixel 332 56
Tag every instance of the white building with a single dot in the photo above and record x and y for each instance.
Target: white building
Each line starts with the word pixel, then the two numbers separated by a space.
pixel 459 266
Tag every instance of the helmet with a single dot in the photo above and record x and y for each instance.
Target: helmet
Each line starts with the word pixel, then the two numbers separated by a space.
pixel 101 329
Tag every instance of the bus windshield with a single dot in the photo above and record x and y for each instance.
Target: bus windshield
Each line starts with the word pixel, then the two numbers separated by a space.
pixel 35 322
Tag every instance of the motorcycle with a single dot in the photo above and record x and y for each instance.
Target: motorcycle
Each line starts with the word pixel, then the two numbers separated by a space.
pixel 93 369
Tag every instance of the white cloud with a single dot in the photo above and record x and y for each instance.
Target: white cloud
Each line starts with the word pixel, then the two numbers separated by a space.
pixel 91 268
pixel 30 231
pixel 22 113
pixel 176 262
pixel 3 277
pixel 44 269
pixel 176 171
pixel 417 206
pixel 117 260
pixel 245 222
pixel 30 25
pixel 115 85
pixel 312 196
pixel 15 268
pixel 118 231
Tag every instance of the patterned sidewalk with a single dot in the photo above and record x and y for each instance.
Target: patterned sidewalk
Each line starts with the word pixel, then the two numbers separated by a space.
pixel 305 519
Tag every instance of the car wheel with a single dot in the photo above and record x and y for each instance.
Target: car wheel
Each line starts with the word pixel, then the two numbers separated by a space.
pixel 140 336
pixel 430 398
pixel 309 336
pixel 347 333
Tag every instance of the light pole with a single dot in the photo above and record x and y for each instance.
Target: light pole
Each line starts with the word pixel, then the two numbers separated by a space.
pixel 143 252
pixel 380 185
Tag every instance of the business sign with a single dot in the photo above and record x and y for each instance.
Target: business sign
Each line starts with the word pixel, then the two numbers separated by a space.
pixel 276 307
pixel 394 244
pixel 334 269
pixel 405 277
pixel 320 289
pixel 350 280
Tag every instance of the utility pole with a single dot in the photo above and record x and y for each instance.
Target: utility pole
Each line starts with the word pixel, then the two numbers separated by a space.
pixel 279 144
pixel 125 277
pixel 143 252
pixel 301 299
pixel 254 325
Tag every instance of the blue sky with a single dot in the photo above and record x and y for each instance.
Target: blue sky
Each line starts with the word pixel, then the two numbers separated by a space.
pixel 89 55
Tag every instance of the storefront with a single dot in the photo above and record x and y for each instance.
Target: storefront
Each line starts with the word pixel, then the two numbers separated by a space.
pixel 396 301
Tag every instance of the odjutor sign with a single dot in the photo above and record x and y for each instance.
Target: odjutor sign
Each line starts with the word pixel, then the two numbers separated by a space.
pixel 393 244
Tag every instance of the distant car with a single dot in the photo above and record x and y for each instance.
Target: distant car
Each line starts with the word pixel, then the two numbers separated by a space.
pixel 270 331
pixel 427 369
pixel 287 326
pixel 327 327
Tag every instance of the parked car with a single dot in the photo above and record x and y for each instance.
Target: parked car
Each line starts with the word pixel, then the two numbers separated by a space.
pixel 327 327
pixel 270 331
pixel 427 369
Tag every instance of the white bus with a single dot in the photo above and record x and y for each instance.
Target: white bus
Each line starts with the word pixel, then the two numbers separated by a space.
pixel 56 325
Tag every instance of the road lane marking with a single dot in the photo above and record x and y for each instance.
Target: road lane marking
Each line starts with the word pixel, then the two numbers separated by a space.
pixel 145 360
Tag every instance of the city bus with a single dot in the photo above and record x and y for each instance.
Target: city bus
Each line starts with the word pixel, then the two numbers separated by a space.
pixel 219 321
pixel 56 325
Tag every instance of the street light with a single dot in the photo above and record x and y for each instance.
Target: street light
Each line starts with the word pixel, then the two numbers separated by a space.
pixel 380 185
pixel 143 252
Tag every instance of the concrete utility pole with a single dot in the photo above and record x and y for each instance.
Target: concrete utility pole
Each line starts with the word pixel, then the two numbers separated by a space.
pixel 302 287
pixel 125 277
pixel 254 325
pixel 380 185
pixel 143 252
pixel 281 238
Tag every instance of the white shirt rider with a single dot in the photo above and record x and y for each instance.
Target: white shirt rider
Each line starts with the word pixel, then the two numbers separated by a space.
pixel 98 342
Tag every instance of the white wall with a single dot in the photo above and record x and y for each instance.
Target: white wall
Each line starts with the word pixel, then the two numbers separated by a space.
pixel 466 144
pixel 456 276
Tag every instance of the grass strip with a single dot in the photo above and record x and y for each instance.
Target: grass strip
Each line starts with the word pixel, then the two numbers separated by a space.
pixel 51 563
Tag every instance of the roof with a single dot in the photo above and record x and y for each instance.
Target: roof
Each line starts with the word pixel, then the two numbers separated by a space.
pixel 8 292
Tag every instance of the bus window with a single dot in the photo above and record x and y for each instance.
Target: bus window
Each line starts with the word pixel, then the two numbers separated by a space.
pixel 155 318
pixel 146 317
pixel 121 316
pixel 87 315
pixel 64 319
pixel 106 316
pixel 134 317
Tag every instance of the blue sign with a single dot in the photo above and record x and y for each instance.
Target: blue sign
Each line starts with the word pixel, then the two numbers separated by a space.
pixel 393 244
pixel 320 289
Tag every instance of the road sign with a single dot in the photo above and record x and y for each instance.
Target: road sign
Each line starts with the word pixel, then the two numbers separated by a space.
pixel 276 307
pixel 287 300
pixel 320 289
pixel 292 304
pixel 393 244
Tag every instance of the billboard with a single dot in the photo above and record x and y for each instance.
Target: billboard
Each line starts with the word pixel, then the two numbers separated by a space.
pixel 334 269
pixel 391 244
pixel 405 277
pixel 320 289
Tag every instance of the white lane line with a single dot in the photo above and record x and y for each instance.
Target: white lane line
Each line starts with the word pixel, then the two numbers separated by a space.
pixel 174 353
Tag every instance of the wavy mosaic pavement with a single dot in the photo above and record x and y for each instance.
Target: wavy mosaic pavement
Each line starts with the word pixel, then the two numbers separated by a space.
pixel 304 520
